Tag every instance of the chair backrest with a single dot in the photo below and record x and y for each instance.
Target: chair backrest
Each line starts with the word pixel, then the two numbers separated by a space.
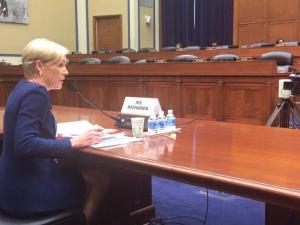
pixel 141 61
pixel 185 58
pixel 118 59
pixel 90 61
pixel 233 46
pixel 284 60
pixel 4 63
pixel 290 43
pixel 225 57
pixel 125 50
pixel 102 51
pixel 168 49
pixel 222 47
pixel 147 50
pixel 192 48
pixel 261 44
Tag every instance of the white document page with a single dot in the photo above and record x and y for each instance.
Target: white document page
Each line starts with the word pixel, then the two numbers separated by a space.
pixel 76 128
pixel 116 141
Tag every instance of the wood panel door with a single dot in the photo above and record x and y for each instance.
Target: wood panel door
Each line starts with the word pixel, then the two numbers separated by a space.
pixel 108 32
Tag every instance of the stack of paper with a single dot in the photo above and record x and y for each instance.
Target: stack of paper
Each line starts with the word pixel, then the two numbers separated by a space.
pixel 116 141
pixel 75 128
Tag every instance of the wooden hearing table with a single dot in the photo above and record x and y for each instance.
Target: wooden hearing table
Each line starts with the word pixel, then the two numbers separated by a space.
pixel 253 161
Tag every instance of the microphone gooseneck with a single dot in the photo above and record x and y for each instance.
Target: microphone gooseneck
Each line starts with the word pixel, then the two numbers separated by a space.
pixel 72 87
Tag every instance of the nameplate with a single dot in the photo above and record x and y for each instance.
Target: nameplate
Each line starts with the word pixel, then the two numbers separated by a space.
pixel 140 106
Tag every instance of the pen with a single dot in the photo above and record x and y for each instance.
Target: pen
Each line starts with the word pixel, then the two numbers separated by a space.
pixel 113 136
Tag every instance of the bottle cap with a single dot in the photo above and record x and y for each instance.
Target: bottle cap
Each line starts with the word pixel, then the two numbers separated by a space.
pixel 161 112
pixel 170 111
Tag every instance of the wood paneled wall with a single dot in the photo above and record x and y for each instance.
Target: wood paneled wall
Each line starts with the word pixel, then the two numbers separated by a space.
pixel 244 92
pixel 266 20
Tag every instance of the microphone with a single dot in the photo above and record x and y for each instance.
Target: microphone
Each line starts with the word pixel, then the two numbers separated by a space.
pixel 72 87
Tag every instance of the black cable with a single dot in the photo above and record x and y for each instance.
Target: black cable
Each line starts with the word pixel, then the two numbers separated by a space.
pixel 173 222
pixel 172 219
pixel 196 218
pixel 206 210
pixel 168 220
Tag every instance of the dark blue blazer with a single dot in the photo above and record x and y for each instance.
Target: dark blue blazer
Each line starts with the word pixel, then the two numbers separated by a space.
pixel 33 178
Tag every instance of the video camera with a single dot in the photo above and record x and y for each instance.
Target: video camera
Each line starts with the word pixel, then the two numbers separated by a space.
pixel 289 87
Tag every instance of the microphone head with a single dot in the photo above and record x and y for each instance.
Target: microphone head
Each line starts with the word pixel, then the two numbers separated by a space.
pixel 72 87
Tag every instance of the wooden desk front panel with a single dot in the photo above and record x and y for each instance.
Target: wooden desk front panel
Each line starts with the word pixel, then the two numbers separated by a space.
pixel 233 100
pixel 248 102
pixel 7 84
pixel 243 92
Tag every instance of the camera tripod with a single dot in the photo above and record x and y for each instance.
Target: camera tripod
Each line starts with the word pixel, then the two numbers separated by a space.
pixel 284 109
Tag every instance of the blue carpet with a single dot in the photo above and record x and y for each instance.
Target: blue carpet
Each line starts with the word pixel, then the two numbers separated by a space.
pixel 172 198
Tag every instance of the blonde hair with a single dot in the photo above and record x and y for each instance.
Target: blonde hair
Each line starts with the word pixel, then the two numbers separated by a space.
pixel 43 50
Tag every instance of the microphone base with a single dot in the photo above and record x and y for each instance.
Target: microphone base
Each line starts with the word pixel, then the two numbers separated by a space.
pixel 124 121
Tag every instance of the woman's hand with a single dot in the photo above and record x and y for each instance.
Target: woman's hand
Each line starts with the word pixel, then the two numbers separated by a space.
pixel 88 138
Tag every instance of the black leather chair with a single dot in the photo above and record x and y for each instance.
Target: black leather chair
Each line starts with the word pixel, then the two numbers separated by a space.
pixel 233 46
pixel 118 59
pixel 147 50
pixel 141 61
pixel 192 48
pixel 102 51
pixel 289 43
pixel 125 50
pixel 261 44
pixel 224 57
pixel 90 61
pixel 222 47
pixel 68 217
pixel 185 58
pixel 3 63
pixel 168 49
pixel 284 60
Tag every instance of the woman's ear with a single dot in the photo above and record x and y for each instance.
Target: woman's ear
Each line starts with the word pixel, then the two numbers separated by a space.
pixel 39 67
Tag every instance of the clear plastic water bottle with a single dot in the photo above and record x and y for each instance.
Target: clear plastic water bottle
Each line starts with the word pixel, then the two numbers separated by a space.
pixel 170 120
pixel 161 121
pixel 152 124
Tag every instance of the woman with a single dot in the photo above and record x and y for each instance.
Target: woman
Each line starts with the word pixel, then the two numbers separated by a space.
pixel 33 178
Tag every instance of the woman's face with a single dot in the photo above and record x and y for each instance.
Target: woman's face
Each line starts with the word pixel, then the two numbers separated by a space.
pixel 54 73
